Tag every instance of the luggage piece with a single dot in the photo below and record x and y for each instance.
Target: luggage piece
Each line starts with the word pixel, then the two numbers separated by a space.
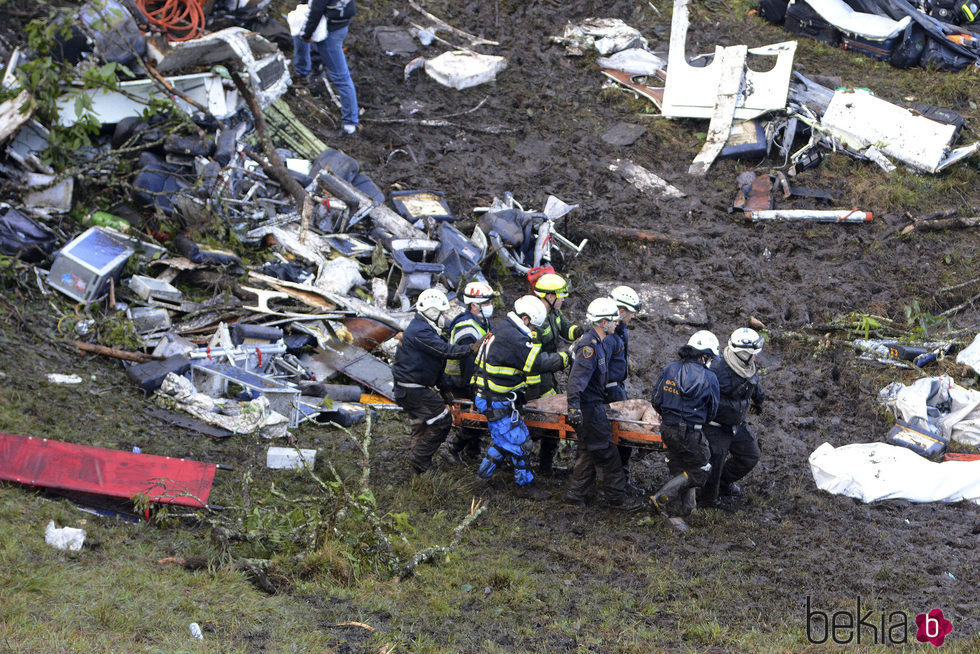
pixel 939 56
pixel 923 444
pixel 773 11
pixel 149 376
pixel 909 51
pixel 879 49
pixel 802 19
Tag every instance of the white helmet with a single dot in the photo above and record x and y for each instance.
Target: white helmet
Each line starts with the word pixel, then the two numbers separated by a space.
pixel 478 293
pixel 533 308
pixel 704 341
pixel 627 298
pixel 602 308
pixel 745 343
pixel 432 303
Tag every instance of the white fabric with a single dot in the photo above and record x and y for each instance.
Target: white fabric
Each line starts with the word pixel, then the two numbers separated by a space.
pixel 871 26
pixel 970 355
pixel 339 276
pixel 960 418
pixel 879 471
pixel 635 61
pixel 607 35
pixel 297 21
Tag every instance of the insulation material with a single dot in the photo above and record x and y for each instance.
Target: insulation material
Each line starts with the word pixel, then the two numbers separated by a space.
pixel 879 471
pixel 607 35
pixel 460 69
pixel 846 19
pixel 177 392
pixel 635 61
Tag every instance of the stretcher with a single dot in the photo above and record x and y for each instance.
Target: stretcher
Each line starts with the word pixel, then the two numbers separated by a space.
pixel 636 433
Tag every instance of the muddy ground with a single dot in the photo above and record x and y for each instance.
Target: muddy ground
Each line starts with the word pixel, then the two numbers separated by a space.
pixel 785 540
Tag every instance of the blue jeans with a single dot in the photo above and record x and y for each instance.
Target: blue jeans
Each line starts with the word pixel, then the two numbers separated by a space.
pixel 331 51
pixel 510 438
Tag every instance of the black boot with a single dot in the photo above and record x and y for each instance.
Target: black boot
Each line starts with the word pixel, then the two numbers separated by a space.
pixel 666 499
pixel 688 503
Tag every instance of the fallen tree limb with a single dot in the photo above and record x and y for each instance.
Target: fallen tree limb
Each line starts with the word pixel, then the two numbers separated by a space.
pixel 638 235
pixel 474 40
pixel 432 553
pixel 939 224
pixel 381 215
pixel 273 165
pixel 960 307
pixel 969 282
pixel 125 355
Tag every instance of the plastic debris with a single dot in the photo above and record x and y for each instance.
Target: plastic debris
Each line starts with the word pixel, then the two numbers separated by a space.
pixel 64 538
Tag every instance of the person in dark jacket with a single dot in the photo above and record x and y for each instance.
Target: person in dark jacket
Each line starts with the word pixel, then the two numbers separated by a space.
pixel 552 289
pixel 734 449
pixel 338 14
pixel 587 396
pixel 686 397
pixel 419 363
pixel 468 328
pixel 617 346
pixel 509 356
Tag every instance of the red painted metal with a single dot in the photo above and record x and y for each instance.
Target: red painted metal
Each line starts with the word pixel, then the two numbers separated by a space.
pixel 100 471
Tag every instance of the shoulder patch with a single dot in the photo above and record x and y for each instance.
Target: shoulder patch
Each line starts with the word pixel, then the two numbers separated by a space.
pixel 588 351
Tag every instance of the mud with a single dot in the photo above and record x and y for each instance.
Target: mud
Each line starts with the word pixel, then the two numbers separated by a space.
pixel 785 540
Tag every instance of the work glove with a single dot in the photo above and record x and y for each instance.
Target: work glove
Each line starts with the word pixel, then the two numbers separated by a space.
pixel 574 416
pixel 566 359
pixel 476 346
pixel 447 397
pixel 756 408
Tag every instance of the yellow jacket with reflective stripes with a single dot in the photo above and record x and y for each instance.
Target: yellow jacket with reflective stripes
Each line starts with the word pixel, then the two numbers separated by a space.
pixel 510 356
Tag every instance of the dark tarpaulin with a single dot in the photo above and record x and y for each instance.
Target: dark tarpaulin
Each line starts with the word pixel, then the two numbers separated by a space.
pixel 100 471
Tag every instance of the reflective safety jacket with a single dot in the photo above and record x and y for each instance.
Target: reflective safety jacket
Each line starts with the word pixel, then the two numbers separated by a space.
pixel 466 329
pixel 590 371
pixel 555 326
pixel 686 391
pixel 737 393
pixel 510 356
pixel 422 355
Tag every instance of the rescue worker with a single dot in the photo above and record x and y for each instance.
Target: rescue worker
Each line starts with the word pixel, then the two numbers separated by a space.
pixel 468 328
pixel 617 346
pixel 552 289
pixel 686 397
pixel 734 449
pixel 508 357
pixel 597 454
pixel 418 367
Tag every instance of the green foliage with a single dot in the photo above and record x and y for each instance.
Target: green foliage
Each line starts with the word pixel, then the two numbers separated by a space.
pixel 863 323
pixel 924 323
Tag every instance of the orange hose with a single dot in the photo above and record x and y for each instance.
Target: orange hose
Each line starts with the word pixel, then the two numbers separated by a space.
pixel 181 20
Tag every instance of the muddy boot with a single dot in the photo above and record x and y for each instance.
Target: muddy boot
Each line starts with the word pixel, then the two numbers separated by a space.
pixel 546 464
pixel 666 499
pixel 532 492
pixel 729 490
pixel 688 503
pixel 627 505
pixel 573 501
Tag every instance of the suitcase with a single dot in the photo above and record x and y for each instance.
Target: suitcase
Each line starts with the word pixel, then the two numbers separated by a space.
pixel 879 49
pixel 802 19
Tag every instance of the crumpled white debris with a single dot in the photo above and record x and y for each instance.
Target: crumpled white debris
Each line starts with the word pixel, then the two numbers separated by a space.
pixel 607 35
pixel 64 538
pixel 178 392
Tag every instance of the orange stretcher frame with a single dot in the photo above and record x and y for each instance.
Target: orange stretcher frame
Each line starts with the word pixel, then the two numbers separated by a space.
pixel 645 435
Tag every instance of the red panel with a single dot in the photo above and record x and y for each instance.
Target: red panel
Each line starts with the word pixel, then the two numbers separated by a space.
pixel 96 470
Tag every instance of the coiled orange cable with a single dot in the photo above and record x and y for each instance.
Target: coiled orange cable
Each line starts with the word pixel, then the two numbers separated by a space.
pixel 181 20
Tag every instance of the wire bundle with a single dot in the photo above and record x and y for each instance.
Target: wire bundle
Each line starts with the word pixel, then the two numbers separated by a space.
pixel 180 20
